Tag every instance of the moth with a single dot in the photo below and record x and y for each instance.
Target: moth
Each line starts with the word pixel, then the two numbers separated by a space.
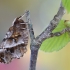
pixel 14 44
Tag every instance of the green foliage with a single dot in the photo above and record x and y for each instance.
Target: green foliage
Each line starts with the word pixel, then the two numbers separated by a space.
pixel 56 43
pixel 66 4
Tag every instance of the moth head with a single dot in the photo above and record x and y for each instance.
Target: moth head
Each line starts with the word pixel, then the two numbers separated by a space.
pixel 17 20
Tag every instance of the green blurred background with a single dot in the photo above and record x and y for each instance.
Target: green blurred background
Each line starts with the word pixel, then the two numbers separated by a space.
pixel 42 12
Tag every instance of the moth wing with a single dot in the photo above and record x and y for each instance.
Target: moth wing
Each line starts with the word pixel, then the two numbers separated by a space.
pixel 14 44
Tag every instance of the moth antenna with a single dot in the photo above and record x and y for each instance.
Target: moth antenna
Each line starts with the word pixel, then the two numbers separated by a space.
pixel 26 13
pixel 22 16
pixel 13 21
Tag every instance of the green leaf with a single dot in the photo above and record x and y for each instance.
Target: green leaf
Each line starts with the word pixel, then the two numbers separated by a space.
pixel 66 4
pixel 56 43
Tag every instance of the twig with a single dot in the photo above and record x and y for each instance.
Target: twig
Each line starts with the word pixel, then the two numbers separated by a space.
pixel 60 33
pixel 53 24
pixel 33 46
pixel 36 42
pixel 30 26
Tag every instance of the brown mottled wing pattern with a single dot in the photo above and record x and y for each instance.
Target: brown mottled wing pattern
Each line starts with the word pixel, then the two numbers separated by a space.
pixel 15 41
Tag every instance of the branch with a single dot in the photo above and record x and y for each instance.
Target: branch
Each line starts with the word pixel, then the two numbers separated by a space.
pixel 60 33
pixel 36 42
pixel 30 26
pixel 33 47
pixel 53 24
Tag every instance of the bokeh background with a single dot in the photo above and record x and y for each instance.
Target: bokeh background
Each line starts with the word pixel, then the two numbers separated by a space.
pixel 42 12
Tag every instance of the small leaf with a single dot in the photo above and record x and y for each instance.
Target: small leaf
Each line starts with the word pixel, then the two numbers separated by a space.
pixel 66 4
pixel 56 43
